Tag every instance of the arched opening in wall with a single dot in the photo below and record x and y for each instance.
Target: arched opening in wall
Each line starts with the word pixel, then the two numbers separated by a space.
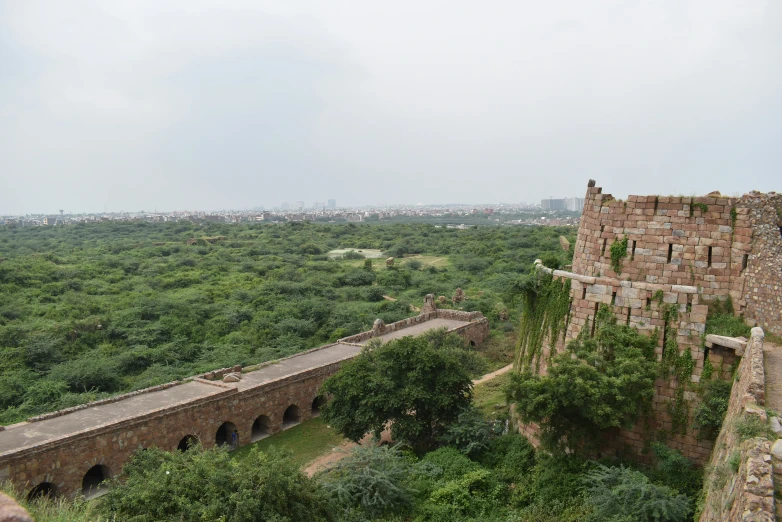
pixel 317 402
pixel 291 417
pixel 92 484
pixel 187 442
pixel 472 343
pixel 42 490
pixel 261 428
pixel 227 435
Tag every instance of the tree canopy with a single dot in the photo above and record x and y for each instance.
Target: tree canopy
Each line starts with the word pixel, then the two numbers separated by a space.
pixel 411 384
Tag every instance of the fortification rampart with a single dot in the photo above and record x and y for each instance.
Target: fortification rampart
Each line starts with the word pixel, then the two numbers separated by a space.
pixel 70 451
pixel 740 483
pixel 681 254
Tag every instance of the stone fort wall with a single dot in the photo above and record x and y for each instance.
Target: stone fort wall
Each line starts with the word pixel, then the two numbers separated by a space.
pixel 683 253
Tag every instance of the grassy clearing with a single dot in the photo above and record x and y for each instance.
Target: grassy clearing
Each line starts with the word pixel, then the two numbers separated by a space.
pixel 307 441
pixel 489 397
pixel 439 262
pixel 498 350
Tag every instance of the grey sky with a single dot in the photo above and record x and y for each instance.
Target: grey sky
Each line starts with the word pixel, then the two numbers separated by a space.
pixel 194 104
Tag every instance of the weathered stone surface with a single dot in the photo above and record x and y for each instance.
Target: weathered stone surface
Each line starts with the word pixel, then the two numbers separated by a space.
pixel 10 511
pixel 390 261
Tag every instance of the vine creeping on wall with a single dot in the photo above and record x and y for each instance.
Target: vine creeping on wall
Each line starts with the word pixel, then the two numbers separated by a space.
pixel 678 365
pixel 545 307
pixel 618 253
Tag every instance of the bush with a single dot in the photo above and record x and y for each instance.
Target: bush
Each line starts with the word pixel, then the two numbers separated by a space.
pixel 209 485
pixel 624 495
pixel 711 411
pixel 471 433
pixel 511 457
pixel 750 426
pixel 373 479
pixel 675 471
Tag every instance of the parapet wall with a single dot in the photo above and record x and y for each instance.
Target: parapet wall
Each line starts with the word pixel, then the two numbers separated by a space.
pixel 748 492
pixel 476 331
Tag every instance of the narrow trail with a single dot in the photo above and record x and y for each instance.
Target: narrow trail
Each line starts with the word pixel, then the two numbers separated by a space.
pixel 341 451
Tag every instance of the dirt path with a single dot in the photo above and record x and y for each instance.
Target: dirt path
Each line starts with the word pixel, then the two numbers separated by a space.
pixel 341 451
pixel 772 361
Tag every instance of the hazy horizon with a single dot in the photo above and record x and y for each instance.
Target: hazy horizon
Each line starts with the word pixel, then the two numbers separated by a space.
pixel 238 104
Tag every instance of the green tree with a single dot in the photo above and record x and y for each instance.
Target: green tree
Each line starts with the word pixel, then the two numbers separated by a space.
pixel 408 383
pixel 597 383
pixel 624 495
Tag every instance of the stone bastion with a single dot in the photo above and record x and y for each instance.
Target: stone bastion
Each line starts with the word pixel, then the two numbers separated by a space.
pixel 681 253
pixel 70 452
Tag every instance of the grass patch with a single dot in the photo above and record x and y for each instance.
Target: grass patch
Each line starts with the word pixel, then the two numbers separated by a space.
pixel 306 441
pixel 489 397
pixel 499 350
pixel 751 426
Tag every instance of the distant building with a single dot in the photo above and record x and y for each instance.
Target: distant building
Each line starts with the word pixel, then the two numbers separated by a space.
pixel 299 205
pixel 575 204
pixel 332 204
pixel 552 204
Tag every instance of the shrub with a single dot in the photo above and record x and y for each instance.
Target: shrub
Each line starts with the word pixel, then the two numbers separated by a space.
pixel 621 494
pixel 471 433
pixel 750 426
pixel 511 457
pixel 209 485
pixel 711 411
pixel 374 479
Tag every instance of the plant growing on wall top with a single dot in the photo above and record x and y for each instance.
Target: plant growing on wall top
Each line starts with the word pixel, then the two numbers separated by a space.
pixel 618 253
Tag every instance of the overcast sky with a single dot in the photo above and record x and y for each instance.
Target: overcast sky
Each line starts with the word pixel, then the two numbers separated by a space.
pixel 195 104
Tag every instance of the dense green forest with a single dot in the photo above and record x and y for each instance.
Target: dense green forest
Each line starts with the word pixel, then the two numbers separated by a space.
pixel 91 310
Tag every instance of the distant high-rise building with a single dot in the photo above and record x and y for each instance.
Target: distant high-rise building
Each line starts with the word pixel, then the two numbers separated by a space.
pixel 299 205
pixel 318 205
pixel 575 204
pixel 332 204
pixel 552 204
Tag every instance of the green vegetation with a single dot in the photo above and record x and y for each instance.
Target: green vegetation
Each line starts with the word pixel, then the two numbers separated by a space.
pixel 545 304
pixel 710 413
pixel 90 311
pixel 722 321
pixel 618 253
pixel 306 441
pixel 597 383
pixel 490 397
pixel 416 385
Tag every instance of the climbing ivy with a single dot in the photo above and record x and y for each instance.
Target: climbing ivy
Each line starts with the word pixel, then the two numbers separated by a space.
pixel 734 216
pixel 618 253
pixel 545 303
pixel 679 365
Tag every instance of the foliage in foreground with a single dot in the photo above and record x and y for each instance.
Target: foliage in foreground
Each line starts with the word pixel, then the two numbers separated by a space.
pixel 599 382
pixel 411 384
pixel 620 494
pixel 209 485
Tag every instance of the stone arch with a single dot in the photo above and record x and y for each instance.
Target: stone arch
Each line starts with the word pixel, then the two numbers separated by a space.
pixel 262 427
pixel 472 344
pixel 317 402
pixel 187 442
pixel 91 484
pixel 291 417
pixel 43 489
pixel 224 434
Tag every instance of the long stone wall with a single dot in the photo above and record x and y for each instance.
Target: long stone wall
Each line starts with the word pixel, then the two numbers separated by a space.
pixel 256 401
pixel 739 484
